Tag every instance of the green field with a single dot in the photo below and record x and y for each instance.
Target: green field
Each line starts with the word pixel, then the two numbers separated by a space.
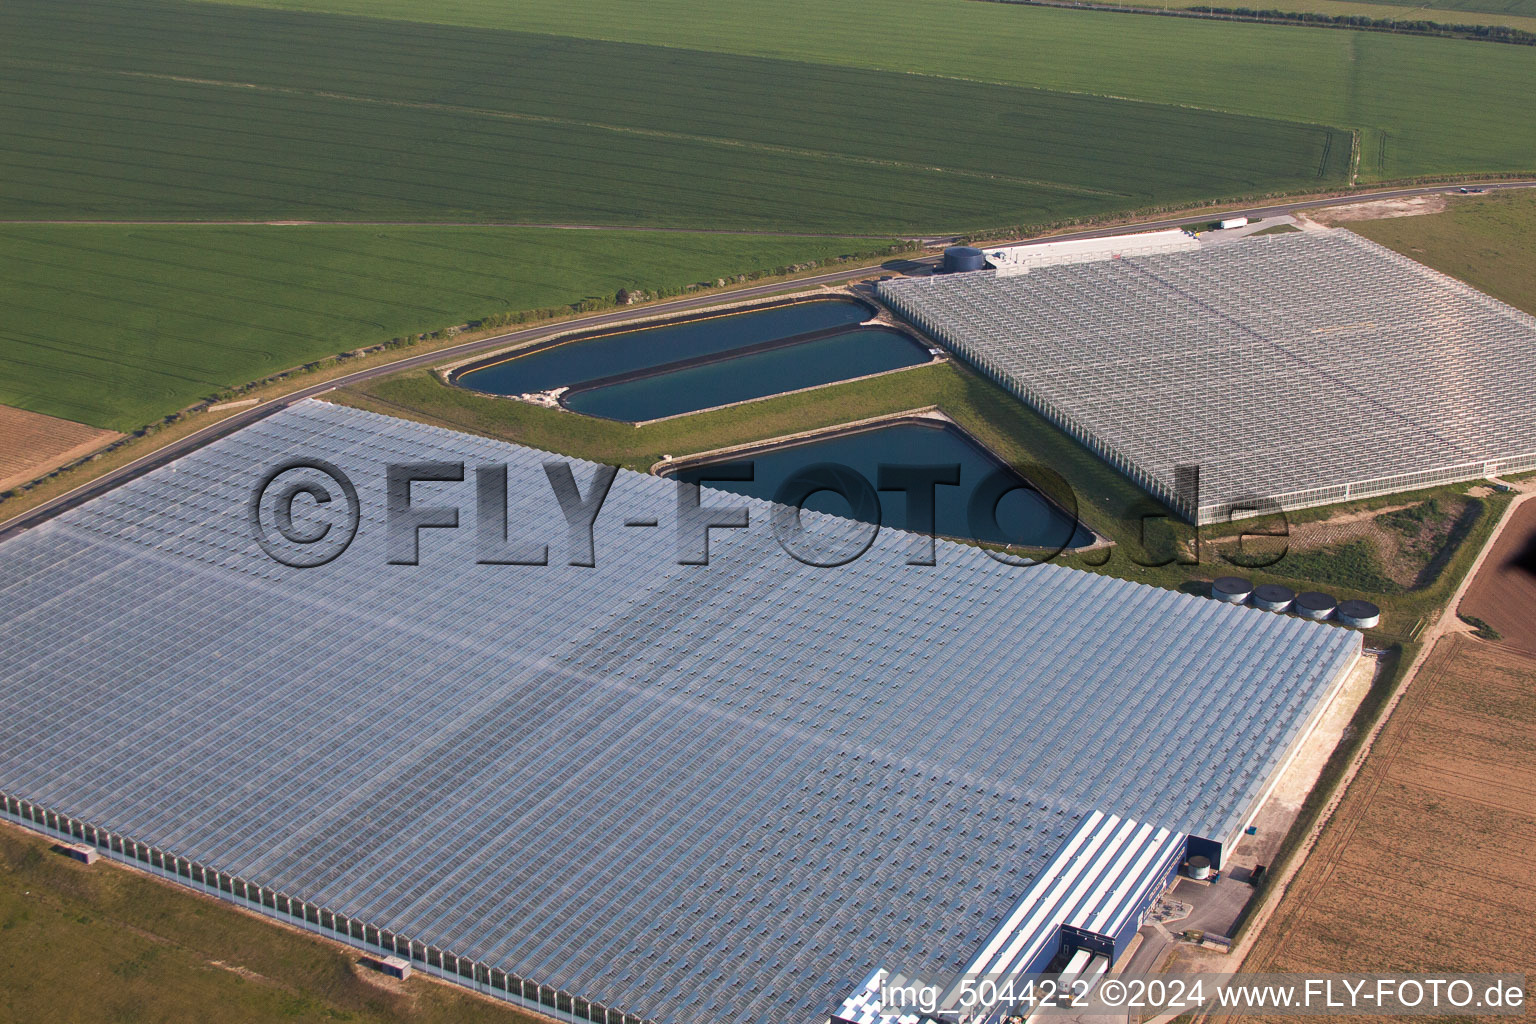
pixel 107 944
pixel 1487 241
pixel 1441 105
pixel 117 326
pixel 811 116
pixel 168 109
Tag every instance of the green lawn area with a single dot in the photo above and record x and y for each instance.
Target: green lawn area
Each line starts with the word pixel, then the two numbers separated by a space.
pixel 118 326
pixel 178 110
pixel 107 944
pixel 1487 241
pixel 1428 106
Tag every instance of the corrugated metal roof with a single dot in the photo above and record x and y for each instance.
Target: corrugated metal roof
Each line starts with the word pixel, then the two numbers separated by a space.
pixel 1095 882
pixel 1021 259
pixel 691 792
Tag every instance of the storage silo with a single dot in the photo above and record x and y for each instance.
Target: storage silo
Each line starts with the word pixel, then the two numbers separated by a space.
pixel 1231 589
pixel 1314 605
pixel 1359 614
pixel 963 257
pixel 1272 597
pixel 1199 868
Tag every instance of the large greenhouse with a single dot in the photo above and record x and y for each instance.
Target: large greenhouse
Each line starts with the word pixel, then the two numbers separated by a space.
pixel 1291 370
pixel 636 791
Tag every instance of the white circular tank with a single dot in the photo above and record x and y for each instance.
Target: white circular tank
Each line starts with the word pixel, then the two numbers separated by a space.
pixel 1199 867
pixel 1272 597
pixel 1359 614
pixel 1314 605
pixel 1231 589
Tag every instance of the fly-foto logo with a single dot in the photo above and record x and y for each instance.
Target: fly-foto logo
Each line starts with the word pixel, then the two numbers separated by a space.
pixel 306 512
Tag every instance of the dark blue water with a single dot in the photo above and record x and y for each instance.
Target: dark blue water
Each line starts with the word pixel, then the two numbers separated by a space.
pixel 577 361
pixel 1023 516
pixel 755 375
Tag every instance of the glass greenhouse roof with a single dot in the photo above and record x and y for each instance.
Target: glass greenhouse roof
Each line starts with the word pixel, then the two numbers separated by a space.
pixel 693 793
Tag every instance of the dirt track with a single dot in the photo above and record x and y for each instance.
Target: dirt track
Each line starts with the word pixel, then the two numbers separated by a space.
pixel 36 444
pixel 1504 592
pixel 1426 863
pixel 1413 206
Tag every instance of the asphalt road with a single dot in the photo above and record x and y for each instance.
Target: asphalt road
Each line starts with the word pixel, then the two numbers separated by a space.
pixel 1279 209
pixel 244 418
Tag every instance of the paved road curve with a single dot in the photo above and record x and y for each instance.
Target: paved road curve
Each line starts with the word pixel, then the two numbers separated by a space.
pixel 182 446
pixel 1276 210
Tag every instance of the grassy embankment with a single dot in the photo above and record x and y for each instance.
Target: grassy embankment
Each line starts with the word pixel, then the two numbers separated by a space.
pixel 106 943
pixel 1518 14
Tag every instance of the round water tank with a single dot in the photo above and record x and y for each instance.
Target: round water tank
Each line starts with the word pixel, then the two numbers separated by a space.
pixel 1313 605
pixel 1231 589
pixel 963 257
pixel 1199 867
pixel 1359 614
pixel 1272 597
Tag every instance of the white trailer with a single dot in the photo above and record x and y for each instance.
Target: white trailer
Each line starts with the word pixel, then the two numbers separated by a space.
pixel 1234 222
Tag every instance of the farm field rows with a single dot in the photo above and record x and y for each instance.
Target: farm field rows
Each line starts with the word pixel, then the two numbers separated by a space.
pixel 1427 106
pixel 183 110
pixel 163 109
pixel 117 326
pixel 35 444
pixel 1424 866
pixel 1504 593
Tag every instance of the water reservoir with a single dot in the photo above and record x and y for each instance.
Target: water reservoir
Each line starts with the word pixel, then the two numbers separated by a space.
pixel 1023 516
pixel 724 378
pixel 568 362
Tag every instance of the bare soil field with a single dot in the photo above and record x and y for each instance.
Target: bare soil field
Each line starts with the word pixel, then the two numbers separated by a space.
pixel 1504 592
pixel 1426 863
pixel 35 444
pixel 1376 209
